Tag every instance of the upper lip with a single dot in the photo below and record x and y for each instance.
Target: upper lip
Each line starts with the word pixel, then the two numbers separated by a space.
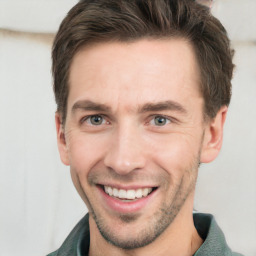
pixel 127 187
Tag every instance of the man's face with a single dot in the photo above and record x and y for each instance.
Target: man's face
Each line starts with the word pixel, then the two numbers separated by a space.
pixel 134 129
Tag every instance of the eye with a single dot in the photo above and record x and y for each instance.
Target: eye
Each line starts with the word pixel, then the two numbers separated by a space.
pixel 160 121
pixel 94 120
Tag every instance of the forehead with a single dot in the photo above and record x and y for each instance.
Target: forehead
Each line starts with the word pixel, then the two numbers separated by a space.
pixel 135 72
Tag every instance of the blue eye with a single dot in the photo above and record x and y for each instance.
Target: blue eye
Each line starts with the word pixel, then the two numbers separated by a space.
pixel 95 120
pixel 160 120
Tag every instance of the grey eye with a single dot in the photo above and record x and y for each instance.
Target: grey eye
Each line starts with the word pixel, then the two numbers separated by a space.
pixel 96 120
pixel 160 120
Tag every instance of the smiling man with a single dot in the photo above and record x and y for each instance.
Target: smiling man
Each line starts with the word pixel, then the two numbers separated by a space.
pixel 142 89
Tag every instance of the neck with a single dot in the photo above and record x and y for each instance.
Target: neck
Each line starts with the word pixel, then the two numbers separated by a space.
pixel 180 238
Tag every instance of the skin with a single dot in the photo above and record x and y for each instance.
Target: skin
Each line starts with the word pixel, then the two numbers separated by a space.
pixel 138 82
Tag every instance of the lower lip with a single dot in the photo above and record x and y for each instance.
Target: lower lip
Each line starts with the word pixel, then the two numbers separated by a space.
pixel 126 207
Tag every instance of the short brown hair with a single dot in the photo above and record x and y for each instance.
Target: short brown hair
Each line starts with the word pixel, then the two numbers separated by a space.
pixel 92 21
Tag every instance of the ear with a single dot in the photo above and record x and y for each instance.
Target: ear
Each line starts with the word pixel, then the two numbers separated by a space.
pixel 62 146
pixel 213 136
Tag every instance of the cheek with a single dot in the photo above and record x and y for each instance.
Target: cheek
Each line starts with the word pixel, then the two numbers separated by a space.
pixel 85 151
pixel 176 153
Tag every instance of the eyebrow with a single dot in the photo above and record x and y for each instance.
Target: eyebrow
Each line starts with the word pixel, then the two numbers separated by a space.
pixel 88 105
pixel 161 106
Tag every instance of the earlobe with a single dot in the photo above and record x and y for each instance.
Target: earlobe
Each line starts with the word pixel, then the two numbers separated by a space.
pixel 213 136
pixel 62 145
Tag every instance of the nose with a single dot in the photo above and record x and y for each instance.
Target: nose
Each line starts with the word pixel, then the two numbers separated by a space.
pixel 126 152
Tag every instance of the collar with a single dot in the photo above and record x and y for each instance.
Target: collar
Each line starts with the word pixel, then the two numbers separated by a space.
pixel 78 241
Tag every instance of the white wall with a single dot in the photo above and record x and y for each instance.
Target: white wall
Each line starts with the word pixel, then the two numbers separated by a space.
pixel 39 205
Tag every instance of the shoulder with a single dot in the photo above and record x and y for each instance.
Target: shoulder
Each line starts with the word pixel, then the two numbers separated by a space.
pixel 214 240
pixel 53 253
pixel 77 241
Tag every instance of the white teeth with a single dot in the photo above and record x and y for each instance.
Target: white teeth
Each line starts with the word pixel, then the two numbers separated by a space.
pixel 130 194
pixel 138 193
pixel 115 192
pixel 110 192
pixel 122 193
pixel 146 191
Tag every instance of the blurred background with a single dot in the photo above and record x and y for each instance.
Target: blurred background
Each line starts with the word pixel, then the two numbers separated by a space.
pixel 38 204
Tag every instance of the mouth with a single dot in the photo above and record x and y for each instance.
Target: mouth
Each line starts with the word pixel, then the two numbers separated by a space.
pixel 128 195
pixel 128 200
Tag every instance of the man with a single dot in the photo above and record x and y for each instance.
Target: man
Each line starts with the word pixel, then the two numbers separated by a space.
pixel 142 89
